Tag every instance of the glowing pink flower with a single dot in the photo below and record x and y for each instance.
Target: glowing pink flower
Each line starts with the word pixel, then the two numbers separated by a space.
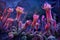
pixel 47 6
pixel 10 10
pixel 35 17
pixel 19 9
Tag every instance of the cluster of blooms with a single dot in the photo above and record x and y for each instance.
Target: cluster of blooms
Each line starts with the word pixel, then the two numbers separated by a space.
pixel 37 28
